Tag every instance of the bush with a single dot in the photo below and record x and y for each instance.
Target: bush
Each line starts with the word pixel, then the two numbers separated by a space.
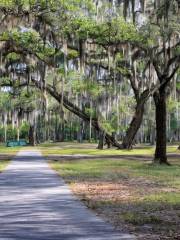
pixel 1 134
pixel 24 130
pixel 11 133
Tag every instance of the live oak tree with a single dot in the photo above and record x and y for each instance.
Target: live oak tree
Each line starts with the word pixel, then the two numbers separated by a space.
pixel 107 36
pixel 51 35
pixel 166 61
pixel 164 57
pixel 24 42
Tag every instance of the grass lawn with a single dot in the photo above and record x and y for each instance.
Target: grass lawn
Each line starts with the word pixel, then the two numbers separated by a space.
pixel 8 150
pixel 3 164
pixel 134 195
pixel 90 149
pixel 6 153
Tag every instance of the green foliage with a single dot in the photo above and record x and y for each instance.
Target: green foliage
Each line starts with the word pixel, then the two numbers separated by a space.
pixel 178 85
pixel 150 34
pixel 81 85
pixel 119 57
pixel 13 56
pixel 11 133
pixel 82 27
pixel 172 105
pixel 2 134
pixel 29 40
pixel 77 85
pixel 106 39
pixel 24 130
pixel 173 122
pixel 7 3
pixel 72 54
pixel 90 111
pixel 25 100
pixel 116 31
pixel 107 126
pixel 109 32
pixel 93 88
pixel 123 70
pixel 5 100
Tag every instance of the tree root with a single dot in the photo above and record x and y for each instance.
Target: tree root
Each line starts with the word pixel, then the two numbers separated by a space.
pixel 158 161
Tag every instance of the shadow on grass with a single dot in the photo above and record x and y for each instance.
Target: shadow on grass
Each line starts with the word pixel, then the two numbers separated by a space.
pixel 155 215
pixel 144 197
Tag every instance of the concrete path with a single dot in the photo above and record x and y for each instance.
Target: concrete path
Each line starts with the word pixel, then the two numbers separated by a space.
pixel 36 204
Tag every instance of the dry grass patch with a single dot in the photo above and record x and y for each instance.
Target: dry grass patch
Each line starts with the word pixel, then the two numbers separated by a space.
pixel 133 195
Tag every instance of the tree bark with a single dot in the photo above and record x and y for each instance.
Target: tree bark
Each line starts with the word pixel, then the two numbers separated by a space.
pixel 160 105
pixel 136 121
pixel 61 133
pixel 32 136
pixel 101 140
pixel 80 132
pixel 133 127
pixel 78 112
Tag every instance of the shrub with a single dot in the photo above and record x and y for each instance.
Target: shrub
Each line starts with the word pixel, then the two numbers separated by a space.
pixel 24 130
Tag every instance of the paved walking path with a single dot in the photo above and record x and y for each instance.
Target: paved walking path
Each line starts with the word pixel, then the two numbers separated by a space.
pixel 36 204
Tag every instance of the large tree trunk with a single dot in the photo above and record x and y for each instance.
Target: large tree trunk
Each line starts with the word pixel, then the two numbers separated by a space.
pixel 78 112
pixel 80 132
pixel 134 126
pixel 101 140
pixel 160 104
pixel 32 136
pixel 136 121
pixel 61 133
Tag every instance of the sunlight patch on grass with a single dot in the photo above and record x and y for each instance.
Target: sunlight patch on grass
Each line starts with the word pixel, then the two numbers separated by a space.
pixel 97 152
pixel 114 169
pixel 135 193
pixel 136 218
pixel 6 154
pixel 8 150
pixel 3 164
pixel 130 191
pixel 167 198
pixel 90 149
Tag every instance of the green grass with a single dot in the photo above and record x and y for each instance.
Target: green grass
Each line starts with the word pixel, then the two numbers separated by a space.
pixel 154 192
pixel 6 153
pixel 3 164
pixel 171 198
pixel 90 149
pixel 136 218
pixel 8 150
pixel 115 169
pixel 150 193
